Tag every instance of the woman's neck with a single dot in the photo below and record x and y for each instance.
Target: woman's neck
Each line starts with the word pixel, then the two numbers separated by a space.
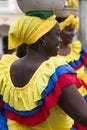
pixel 36 55
pixel 64 50
pixel 63 46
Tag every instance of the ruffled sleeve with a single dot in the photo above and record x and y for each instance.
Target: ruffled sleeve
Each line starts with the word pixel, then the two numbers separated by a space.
pixel 74 54
pixel 5 63
pixel 37 97
pixel 80 56
pixel 77 56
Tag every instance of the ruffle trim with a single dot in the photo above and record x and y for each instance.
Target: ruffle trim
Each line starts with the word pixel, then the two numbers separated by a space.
pixel 41 84
pixel 41 115
pixel 81 61
pixel 77 56
pixel 49 101
pixel 74 53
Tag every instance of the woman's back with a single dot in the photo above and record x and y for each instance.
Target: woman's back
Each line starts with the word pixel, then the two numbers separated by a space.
pixel 40 88
pixel 21 73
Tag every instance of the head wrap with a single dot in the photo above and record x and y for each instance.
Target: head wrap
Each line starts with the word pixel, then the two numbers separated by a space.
pixel 73 3
pixel 28 29
pixel 70 20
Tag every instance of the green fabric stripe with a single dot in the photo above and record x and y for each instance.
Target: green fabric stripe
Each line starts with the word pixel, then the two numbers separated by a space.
pixel 41 14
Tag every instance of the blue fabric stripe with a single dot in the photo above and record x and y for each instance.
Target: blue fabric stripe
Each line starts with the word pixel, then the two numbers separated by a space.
pixel 23 113
pixel 58 72
pixel 73 128
pixel 80 60
pixel 3 121
pixel 1 97
pixel 85 97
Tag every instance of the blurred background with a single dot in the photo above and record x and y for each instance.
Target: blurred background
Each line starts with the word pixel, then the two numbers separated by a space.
pixel 9 11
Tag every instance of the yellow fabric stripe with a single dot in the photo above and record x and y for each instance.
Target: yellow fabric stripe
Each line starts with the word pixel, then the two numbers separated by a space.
pixel 15 96
pixel 83 91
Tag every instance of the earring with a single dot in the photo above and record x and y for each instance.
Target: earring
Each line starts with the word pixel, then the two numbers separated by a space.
pixel 58 47
pixel 44 43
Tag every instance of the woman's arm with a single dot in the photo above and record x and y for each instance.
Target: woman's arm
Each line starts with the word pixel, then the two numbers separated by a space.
pixel 73 104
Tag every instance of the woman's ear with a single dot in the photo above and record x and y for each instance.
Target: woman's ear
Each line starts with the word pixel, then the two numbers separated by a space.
pixel 43 41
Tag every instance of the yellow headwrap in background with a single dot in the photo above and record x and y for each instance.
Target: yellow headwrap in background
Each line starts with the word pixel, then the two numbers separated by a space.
pixel 73 3
pixel 28 29
pixel 70 20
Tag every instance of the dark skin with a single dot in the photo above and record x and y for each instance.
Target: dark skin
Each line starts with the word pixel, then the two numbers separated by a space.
pixel 21 50
pixel 23 69
pixel 67 36
pixel 73 104
pixel 35 55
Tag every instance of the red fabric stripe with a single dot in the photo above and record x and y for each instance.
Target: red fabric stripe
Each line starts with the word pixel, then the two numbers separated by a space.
pixel 79 127
pixel 83 62
pixel 37 118
pixel 85 57
pixel 84 84
pixel 32 120
pixel 78 67
pixel 1 104
pixel 67 79
pixel 49 101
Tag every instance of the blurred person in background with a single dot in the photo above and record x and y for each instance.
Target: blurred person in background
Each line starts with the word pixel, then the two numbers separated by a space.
pixel 74 53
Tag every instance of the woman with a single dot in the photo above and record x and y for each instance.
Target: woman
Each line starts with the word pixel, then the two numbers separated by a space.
pixel 74 53
pixel 36 89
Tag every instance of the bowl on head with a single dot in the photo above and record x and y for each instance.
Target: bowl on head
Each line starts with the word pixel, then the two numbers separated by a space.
pixel 57 6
